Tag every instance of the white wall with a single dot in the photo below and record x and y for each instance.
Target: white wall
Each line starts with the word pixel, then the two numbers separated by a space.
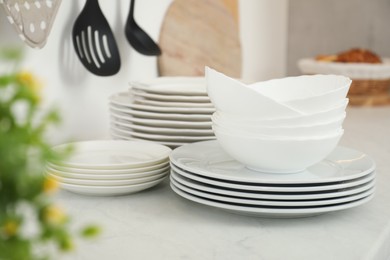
pixel 82 97
pixel 264 38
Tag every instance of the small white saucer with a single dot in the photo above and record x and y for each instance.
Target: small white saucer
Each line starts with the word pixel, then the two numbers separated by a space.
pixel 111 154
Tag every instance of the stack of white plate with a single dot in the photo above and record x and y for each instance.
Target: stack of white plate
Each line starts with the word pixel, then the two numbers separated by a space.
pixel 169 110
pixel 110 167
pixel 204 173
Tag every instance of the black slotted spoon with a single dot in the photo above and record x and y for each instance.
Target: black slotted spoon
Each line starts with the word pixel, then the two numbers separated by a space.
pixel 94 41
pixel 138 38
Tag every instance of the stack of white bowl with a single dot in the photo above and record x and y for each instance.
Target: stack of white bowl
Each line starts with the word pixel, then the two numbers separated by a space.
pixel 278 126
pixel 108 167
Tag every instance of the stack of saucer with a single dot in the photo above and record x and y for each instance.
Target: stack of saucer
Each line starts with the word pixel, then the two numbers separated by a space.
pixel 169 110
pixel 110 167
pixel 204 173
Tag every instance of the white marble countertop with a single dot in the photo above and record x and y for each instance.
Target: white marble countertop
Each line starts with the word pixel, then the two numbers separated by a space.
pixel 158 224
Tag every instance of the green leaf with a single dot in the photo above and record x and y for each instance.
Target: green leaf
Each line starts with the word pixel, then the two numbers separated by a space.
pixel 90 231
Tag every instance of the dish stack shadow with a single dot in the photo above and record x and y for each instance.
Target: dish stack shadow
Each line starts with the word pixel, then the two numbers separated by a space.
pixel 110 167
pixel 171 111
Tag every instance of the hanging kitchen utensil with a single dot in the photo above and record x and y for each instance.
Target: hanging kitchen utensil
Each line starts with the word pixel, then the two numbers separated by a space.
pixel 94 41
pixel 138 38
pixel 32 19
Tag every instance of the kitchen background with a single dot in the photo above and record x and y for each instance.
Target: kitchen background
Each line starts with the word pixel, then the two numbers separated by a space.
pixel 273 35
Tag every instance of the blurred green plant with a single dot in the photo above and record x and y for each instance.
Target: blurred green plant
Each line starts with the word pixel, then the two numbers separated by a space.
pixel 31 225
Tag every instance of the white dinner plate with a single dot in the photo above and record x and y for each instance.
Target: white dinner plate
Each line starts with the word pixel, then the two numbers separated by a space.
pixel 119 136
pixel 272 212
pixel 172 86
pixel 208 159
pixel 168 116
pixel 273 187
pixel 108 176
pixel 111 154
pixel 143 101
pixel 171 98
pixel 272 195
pixel 162 130
pixel 160 137
pixel 125 100
pixel 277 203
pixel 88 182
pixel 109 190
pixel 162 123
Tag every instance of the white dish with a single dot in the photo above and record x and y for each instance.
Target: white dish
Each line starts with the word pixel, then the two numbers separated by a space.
pixel 153 167
pixel 125 100
pixel 171 98
pixel 172 85
pixel 272 212
pixel 273 187
pixel 162 130
pixel 208 159
pixel 173 138
pixel 119 136
pixel 110 176
pixel 249 130
pixel 308 93
pixel 109 190
pixel 110 154
pixel 277 155
pixel 276 203
pixel 140 100
pixel 316 195
pixel 163 123
pixel 232 97
pixel 89 182
pixel 168 116
pixel 305 120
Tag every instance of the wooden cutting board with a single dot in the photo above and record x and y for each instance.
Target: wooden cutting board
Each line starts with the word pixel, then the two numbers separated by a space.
pixel 196 33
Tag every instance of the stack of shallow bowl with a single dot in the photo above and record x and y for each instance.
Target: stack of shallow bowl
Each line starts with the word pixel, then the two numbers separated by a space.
pixel 279 126
pixel 276 151
pixel 110 167
pixel 169 110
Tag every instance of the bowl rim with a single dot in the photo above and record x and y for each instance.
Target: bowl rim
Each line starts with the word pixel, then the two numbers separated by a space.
pixel 346 85
pixel 337 119
pixel 343 105
pixel 336 135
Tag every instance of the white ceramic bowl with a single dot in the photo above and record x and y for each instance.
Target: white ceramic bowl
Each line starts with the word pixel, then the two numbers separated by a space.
pixel 317 130
pixel 277 155
pixel 318 118
pixel 233 97
pixel 308 94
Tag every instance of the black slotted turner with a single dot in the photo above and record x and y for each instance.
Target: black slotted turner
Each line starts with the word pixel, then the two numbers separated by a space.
pixel 94 41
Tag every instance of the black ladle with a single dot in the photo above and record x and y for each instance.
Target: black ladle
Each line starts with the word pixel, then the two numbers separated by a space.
pixel 138 38
pixel 94 41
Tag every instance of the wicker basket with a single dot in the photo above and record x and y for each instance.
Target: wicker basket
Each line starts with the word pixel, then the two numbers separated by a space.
pixel 369 87
pixel 370 82
pixel 369 93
